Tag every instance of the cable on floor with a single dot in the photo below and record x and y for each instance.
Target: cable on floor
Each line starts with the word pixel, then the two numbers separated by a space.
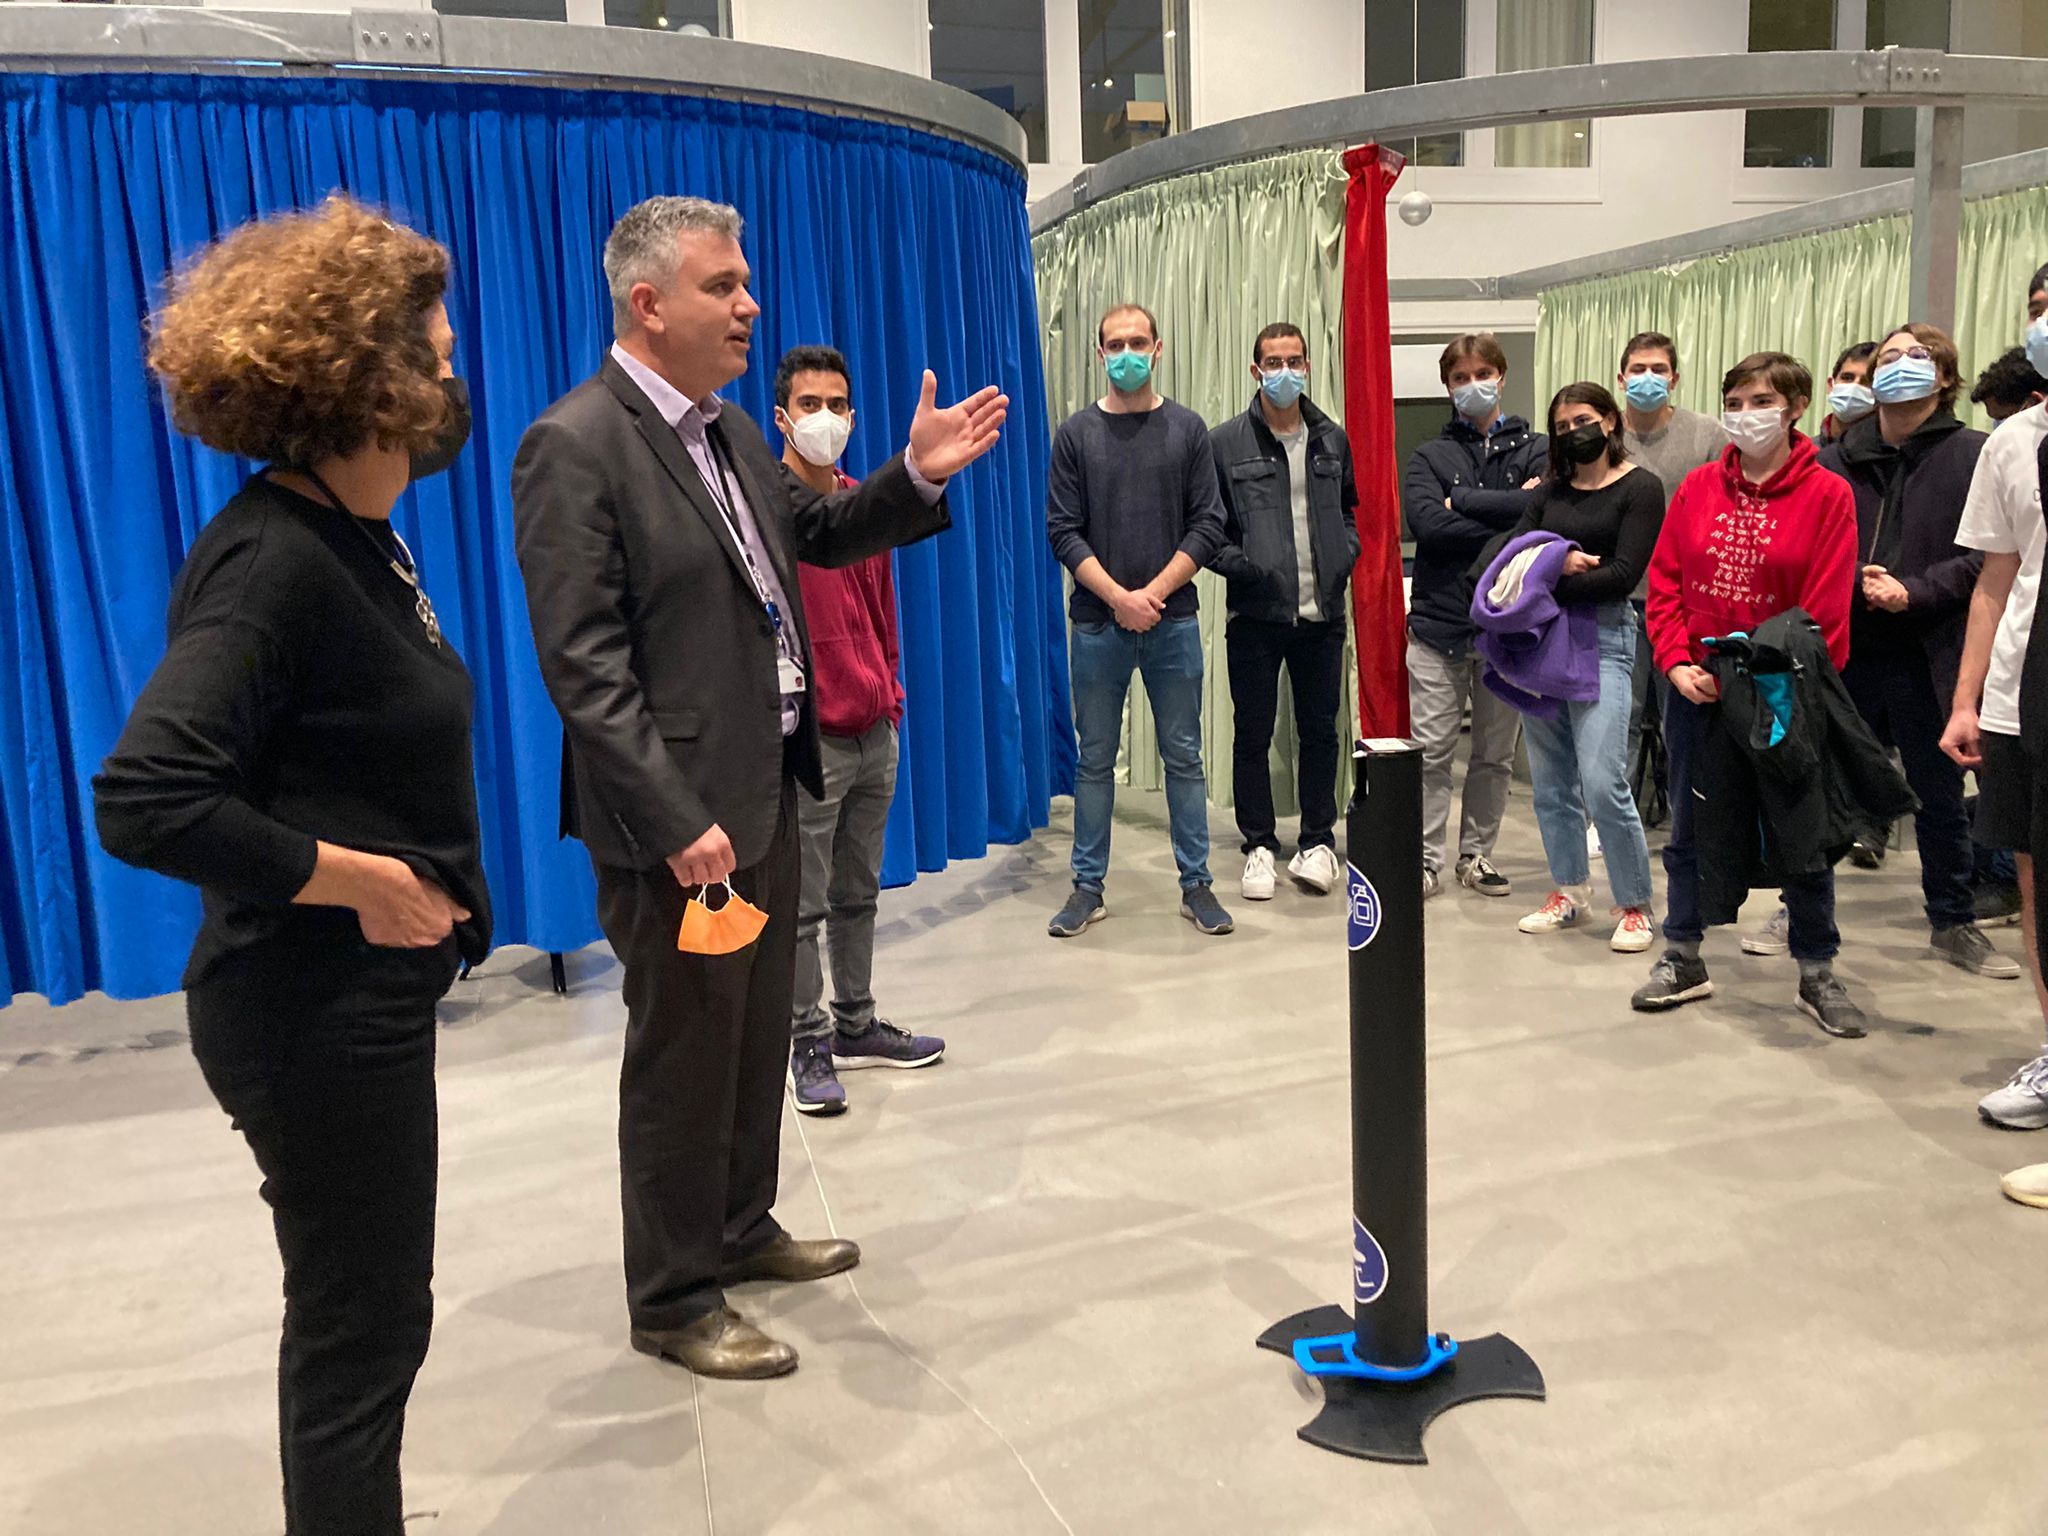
pixel 832 1226
pixel 703 1456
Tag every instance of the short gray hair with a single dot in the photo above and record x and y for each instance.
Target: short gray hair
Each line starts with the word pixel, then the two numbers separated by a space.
pixel 642 246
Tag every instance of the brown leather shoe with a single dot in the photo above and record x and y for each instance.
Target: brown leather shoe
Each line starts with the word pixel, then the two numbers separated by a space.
pixel 790 1258
pixel 721 1344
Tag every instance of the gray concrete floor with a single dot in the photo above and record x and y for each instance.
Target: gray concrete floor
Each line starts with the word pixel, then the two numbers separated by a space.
pixel 1768 1275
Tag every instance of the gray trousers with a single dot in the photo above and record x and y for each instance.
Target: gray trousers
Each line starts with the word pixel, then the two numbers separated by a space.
pixel 840 843
pixel 1438 690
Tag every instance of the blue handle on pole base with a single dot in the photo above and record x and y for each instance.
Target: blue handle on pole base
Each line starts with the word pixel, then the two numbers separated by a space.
pixel 1442 1347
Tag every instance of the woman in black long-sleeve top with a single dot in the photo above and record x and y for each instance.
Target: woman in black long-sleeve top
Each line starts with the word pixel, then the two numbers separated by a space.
pixel 302 754
pixel 1578 762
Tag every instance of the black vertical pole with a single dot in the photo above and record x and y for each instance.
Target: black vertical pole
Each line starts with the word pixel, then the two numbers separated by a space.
pixel 1385 1376
pixel 1389 1136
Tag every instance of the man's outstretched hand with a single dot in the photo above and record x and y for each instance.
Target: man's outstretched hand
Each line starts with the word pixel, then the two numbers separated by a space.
pixel 945 442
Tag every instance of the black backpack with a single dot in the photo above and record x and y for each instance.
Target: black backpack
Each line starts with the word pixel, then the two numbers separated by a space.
pixel 1649 775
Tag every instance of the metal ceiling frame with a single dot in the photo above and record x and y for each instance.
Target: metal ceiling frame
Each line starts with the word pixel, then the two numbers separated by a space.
pixel 185 39
pixel 1939 85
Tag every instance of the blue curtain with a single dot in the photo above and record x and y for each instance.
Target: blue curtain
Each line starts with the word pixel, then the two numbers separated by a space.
pixel 901 248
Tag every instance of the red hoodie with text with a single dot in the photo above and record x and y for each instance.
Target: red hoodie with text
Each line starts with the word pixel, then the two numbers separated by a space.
pixel 851 614
pixel 1732 555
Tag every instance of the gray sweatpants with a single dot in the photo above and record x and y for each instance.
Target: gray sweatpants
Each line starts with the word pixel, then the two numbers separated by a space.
pixel 840 838
pixel 1438 690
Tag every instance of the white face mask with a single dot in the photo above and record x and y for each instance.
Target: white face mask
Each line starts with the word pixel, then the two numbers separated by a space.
pixel 821 436
pixel 1756 433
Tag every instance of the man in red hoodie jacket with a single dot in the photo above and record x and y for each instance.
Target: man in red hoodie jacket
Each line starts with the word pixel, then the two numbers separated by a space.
pixel 852 615
pixel 1763 530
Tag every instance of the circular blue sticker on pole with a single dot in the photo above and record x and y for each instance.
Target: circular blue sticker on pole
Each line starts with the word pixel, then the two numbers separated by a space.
pixel 1368 1263
pixel 1364 922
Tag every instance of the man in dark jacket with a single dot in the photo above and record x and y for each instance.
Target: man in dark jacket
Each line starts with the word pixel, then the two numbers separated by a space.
pixel 1909 464
pixel 658 541
pixel 1460 491
pixel 1290 543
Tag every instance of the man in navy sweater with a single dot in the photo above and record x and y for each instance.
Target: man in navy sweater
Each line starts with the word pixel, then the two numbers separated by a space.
pixel 1132 509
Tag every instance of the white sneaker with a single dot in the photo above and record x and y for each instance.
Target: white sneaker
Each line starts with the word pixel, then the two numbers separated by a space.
pixel 1314 869
pixel 1593 848
pixel 1556 914
pixel 2022 1104
pixel 1774 938
pixel 1257 884
pixel 2027 1185
pixel 1432 882
pixel 1632 935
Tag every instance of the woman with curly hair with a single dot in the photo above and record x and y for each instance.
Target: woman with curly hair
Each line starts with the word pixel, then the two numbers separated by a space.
pixel 302 755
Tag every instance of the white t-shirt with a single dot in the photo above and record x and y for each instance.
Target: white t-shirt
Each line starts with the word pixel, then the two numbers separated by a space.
pixel 2003 516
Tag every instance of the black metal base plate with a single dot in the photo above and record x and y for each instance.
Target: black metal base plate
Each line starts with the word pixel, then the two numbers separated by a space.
pixel 1385 1421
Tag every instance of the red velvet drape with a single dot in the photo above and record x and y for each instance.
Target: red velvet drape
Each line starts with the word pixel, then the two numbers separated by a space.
pixel 1376 608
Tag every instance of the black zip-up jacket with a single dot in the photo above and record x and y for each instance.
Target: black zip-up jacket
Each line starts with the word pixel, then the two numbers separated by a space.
pixel 1258 558
pixel 1482 479
pixel 1909 503
pixel 1788 774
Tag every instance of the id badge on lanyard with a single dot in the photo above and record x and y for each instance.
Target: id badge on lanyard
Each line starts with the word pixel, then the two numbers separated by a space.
pixel 789 673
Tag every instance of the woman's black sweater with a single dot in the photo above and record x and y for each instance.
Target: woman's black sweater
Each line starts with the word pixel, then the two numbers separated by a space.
pixel 300 700
pixel 1619 522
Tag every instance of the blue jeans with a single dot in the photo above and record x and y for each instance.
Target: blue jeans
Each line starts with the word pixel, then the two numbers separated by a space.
pixel 1578 764
pixel 1169 658
pixel 1809 899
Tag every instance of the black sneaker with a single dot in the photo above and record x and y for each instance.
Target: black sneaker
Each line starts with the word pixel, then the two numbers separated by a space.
pixel 812 1082
pixel 1997 905
pixel 1198 904
pixel 882 1044
pixel 1866 853
pixel 1476 872
pixel 1082 908
pixel 1674 979
pixel 1827 1001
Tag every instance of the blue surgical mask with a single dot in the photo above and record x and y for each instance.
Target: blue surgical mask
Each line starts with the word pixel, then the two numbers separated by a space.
pixel 1130 371
pixel 1648 391
pixel 2037 344
pixel 1285 387
pixel 1477 400
pixel 1905 379
pixel 1851 402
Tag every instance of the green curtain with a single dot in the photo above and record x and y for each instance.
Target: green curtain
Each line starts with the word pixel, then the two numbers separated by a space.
pixel 1216 256
pixel 1811 296
pixel 2005 241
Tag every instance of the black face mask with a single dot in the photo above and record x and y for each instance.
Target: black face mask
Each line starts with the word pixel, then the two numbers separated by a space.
pixel 1582 445
pixel 433 460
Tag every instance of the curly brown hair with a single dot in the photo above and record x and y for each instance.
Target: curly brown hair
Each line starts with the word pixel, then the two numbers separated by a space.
pixel 304 336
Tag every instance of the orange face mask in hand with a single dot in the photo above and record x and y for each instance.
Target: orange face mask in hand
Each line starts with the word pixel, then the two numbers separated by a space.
pixel 726 931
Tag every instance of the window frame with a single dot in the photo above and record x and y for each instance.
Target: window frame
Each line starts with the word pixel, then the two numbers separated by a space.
pixel 1056 103
pixel 1783 184
pixel 1479 179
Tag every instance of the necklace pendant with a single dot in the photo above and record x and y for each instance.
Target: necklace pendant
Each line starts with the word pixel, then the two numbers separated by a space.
pixel 425 610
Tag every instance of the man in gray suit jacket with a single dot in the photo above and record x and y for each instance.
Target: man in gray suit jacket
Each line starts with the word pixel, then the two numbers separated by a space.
pixel 657 537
